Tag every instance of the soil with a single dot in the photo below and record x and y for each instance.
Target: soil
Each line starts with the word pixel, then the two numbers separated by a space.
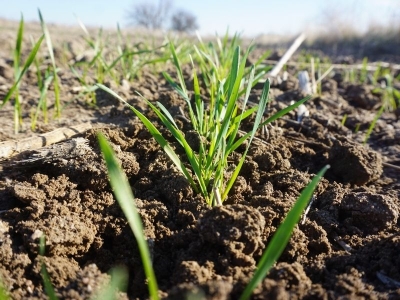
pixel 346 247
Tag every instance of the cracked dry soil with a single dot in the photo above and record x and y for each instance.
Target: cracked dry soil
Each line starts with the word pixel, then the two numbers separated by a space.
pixel 347 247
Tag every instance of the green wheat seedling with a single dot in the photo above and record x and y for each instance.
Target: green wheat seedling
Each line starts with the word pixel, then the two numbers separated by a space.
pixel 118 282
pixel 49 289
pixel 3 291
pixel 124 196
pixel 390 102
pixel 282 236
pixel 43 99
pixel 88 91
pixel 97 46
pixel 390 95
pixel 19 73
pixel 42 104
pixel 17 70
pixel 56 83
pixel 376 74
pixel 217 127
pixel 364 71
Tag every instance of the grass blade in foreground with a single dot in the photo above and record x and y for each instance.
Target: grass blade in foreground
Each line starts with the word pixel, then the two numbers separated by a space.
pixel 282 236
pixel 48 287
pixel 123 193
pixel 3 291
pixel 118 282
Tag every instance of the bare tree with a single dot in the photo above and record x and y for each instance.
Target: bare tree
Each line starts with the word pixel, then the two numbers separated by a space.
pixel 150 15
pixel 184 21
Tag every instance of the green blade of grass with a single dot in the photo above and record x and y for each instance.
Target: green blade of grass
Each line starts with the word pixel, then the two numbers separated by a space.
pixel 198 125
pixel 176 86
pixel 42 102
pixel 233 84
pixel 234 73
pixel 282 235
pixel 18 46
pixel 257 121
pixel 3 291
pixel 50 292
pixel 235 121
pixel 118 282
pixel 167 114
pixel 56 84
pixel 37 65
pixel 27 64
pixel 271 119
pixel 124 196
pixel 284 111
pixel 178 67
pixel 373 123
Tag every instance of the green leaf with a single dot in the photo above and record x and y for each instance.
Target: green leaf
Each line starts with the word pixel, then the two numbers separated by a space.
pixel 118 282
pixel 124 196
pixel 285 111
pixel 56 84
pixel 18 46
pixel 282 236
pixel 260 113
pixel 48 287
pixel 178 68
pixel 27 64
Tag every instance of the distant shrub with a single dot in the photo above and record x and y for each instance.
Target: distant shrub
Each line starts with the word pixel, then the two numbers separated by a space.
pixel 153 15
pixel 150 15
pixel 184 21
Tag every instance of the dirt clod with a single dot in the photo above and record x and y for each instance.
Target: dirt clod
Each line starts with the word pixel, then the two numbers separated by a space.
pixel 354 164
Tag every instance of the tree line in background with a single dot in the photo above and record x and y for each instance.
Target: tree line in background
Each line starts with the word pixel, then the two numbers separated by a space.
pixel 156 15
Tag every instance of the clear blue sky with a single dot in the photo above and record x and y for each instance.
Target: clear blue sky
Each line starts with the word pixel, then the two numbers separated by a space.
pixel 249 17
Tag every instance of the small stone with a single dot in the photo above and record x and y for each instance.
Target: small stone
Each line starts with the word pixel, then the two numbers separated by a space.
pixel 36 235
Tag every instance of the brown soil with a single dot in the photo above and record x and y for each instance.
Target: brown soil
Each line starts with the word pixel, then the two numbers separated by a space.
pixel 347 247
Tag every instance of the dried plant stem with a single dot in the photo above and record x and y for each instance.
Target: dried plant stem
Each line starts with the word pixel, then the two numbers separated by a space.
pixel 11 148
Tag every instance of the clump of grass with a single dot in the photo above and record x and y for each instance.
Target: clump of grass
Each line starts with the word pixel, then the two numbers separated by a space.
pixel 217 127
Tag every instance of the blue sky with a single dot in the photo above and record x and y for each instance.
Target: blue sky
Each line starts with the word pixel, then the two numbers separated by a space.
pixel 248 17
